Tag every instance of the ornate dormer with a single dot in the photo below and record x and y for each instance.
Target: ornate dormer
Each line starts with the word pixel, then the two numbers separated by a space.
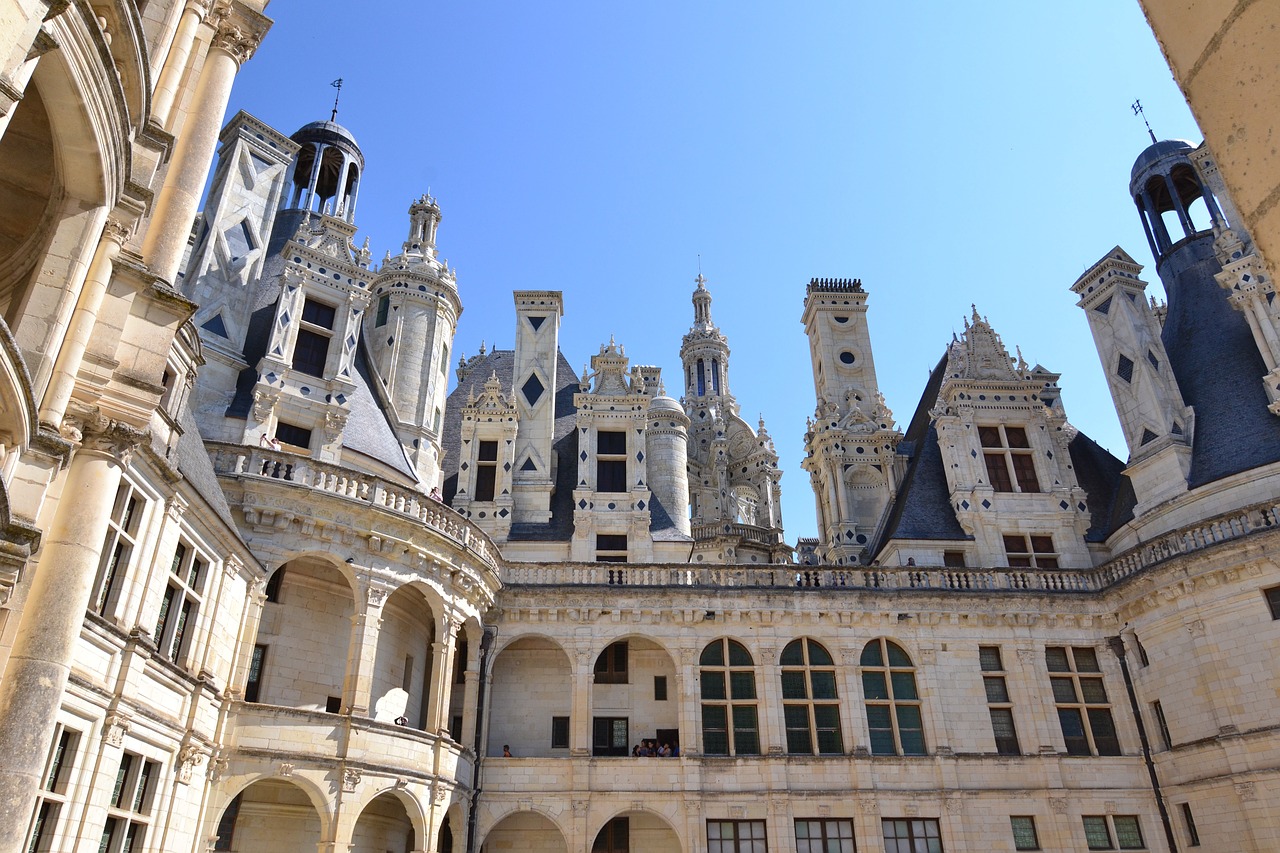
pixel 611 496
pixel 1005 439
pixel 306 378
pixel 487 459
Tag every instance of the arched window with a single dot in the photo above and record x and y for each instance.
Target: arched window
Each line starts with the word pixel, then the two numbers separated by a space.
pixel 702 378
pixel 893 705
pixel 715 376
pixel 730 723
pixel 809 705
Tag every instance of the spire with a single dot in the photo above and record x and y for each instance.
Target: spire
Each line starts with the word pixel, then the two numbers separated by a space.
pixel 1136 106
pixel 337 84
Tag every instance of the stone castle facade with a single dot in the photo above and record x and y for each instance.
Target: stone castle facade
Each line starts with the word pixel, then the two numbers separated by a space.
pixel 266 582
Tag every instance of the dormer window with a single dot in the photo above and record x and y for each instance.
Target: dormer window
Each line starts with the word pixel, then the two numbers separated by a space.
pixel 311 349
pixel 486 470
pixel 1007 453
pixel 611 461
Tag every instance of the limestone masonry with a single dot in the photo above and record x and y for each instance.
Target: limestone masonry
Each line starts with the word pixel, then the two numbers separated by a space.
pixel 266 583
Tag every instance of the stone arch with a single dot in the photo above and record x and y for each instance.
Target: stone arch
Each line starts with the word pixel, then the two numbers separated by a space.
pixel 401 680
pixel 527 831
pixel 390 820
pixel 451 833
pixel 304 637
pixel 269 812
pixel 649 831
pixel 531 682
pixel 633 693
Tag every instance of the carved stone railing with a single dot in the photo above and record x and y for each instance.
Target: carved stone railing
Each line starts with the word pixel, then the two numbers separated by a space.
pixel 1186 540
pixel 233 460
pixel 748 532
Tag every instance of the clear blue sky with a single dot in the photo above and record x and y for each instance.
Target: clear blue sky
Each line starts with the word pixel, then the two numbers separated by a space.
pixel 944 153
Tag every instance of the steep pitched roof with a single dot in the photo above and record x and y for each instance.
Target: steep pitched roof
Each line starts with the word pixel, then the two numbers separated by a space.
pixel 1218 368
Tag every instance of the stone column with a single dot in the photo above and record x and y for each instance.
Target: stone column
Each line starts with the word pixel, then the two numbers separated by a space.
pixel 236 38
pixel 441 676
pixel 177 61
pixel 471 695
pixel 690 698
pixel 71 355
pixel 362 653
pixel 61 587
pixel 773 736
pixel 580 713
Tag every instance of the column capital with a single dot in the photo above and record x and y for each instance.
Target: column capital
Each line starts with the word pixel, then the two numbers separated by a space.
pixel 116 231
pixel 238 30
pixel 93 431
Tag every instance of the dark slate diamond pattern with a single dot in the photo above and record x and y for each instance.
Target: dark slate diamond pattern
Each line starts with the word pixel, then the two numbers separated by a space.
pixel 532 390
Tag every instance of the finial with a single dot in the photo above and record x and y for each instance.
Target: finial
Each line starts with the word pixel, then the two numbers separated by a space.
pixel 337 84
pixel 702 282
pixel 482 349
pixel 1136 106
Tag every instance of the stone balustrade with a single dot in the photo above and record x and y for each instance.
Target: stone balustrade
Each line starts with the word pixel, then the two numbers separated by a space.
pixel 234 460
pixel 747 532
pixel 315 736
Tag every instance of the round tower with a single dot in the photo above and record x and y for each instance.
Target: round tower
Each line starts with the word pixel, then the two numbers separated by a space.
pixel 327 170
pixel 414 317
pixel 704 352
pixel 666 449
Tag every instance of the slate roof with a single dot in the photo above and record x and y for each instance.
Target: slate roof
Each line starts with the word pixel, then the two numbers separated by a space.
pixel 192 460
pixel 1218 367
pixel 368 429
pixel 564 443
pixel 922 508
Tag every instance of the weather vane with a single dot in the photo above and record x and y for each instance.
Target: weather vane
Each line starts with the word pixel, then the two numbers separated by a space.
pixel 1137 110
pixel 337 84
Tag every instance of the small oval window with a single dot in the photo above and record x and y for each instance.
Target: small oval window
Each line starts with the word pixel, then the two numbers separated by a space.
pixel 841 319
pixel 846 357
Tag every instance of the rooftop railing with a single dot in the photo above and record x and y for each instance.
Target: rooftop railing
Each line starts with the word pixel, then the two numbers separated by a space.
pixel 233 460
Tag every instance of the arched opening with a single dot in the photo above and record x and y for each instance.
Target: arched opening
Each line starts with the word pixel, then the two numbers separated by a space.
pixel 402 675
pixel 715 376
pixel 526 832
pixel 892 701
pixel 810 707
pixel 271 814
pixel 633 700
pixel 636 832
pixel 702 378
pixel 384 826
pixel 28 191
pixel 445 837
pixel 532 693
pixel 300 656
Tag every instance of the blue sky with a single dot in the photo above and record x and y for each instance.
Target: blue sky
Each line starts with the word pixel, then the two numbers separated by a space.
pixel 944 153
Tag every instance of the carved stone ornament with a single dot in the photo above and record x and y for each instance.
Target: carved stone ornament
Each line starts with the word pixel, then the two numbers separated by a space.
pixel 189 758
pixel 402 782
pixel 116 231
pixel 115 730
pixel 1244 790
pixel 1058 805
pixel 350 779
pixel 285 769
pixel 101 435
pixel 376 597
pixel 235 40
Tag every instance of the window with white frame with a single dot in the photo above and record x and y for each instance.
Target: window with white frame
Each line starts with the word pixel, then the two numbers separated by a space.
pixel 117 550
pixel 129 813
pixel 181 602
pixel 52 796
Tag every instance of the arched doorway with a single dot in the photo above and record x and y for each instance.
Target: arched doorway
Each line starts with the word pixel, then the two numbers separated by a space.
pixel 526 832
pixel 300 656
pixel 532 691
pixel 384 825
pixel 636 832
pixel 634 698
pixel 402 670
pixel 271 814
